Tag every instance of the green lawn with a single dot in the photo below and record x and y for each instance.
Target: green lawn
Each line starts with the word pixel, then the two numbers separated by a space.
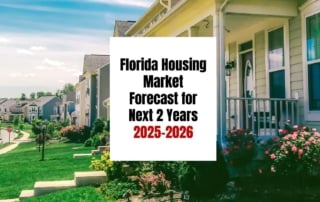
pixel 20 168
pixel 4 145
pixel 83 194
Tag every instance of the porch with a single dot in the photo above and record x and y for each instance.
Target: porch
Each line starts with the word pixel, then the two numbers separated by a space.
pixel 261 116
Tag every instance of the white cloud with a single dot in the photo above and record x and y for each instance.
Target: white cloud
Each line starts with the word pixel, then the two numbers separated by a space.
pixel 62 81
pixel 54 63
pixel 136 3
pixel 37 48
pixel 62 60
pixel 40 67
pixel 24 51
pixel 4 40
pixel 22 75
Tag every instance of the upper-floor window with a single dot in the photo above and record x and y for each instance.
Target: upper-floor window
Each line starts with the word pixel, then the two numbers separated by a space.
pixel 313 60
pixel 276 63
pixel 276 48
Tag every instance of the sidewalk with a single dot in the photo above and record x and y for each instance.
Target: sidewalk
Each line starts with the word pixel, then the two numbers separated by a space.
pixel 15 143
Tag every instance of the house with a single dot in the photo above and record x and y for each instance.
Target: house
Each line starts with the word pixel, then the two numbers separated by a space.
pixel 67 106
pixel 20 109
pixel 121 27
pixel 267 56
pixel 42 108
pixel 5 109
pixel 88 90
pixel 103 77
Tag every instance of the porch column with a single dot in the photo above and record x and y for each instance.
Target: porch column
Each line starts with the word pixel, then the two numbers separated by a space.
pixel 221 84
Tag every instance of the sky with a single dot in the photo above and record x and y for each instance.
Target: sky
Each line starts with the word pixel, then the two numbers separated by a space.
pixel 43 42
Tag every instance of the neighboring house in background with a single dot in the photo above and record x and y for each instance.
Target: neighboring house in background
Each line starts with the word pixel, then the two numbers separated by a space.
pixel 5 109
pixel 19 109
pixel 87 90
pixel 103 75
pixel 42 108
pixel 67 106
pixel 268 56
pixel 121 27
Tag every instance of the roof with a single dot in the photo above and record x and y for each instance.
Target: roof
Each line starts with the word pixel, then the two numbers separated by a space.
pixel 93 62
pixel 42 100
pixel 9 103
pixel 69 96
pixel 121 27
pixel 2 100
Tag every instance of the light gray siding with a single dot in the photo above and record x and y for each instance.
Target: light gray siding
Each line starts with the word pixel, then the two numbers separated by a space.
pixel 260 82
pixel 296 74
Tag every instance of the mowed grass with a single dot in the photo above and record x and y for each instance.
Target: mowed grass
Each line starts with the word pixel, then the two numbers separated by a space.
pixel 21 168
pixel 83 194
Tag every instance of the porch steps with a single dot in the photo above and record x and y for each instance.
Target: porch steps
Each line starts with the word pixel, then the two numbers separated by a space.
pixel 100 149
pixel 86 178
pixel 26 194
pixel 44 187
pixel 90 178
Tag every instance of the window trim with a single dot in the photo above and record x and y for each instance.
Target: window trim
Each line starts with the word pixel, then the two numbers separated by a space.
pixel 310 8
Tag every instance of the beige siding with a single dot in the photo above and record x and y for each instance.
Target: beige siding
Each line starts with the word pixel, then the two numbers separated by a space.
pixel 260 72
pixel 233 88
pixel 296 74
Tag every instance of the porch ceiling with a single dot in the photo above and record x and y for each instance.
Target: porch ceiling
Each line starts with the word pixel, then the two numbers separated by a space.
pixel 283 8
pixel 238 22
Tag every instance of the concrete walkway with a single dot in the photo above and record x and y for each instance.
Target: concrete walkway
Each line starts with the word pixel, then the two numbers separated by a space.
pixel 15 143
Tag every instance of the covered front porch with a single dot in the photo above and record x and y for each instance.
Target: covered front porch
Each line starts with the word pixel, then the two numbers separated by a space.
pixel 259 92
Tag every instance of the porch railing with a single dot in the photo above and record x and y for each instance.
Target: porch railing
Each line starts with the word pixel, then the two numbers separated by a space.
pixel 262 116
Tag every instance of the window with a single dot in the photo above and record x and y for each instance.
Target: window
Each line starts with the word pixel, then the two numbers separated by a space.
pixel 313 60
pixel 276 63
pixel 276 48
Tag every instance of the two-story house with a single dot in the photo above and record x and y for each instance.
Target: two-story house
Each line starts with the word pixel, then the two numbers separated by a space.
pixel 42 108
pixel 89 90
pixel 267 56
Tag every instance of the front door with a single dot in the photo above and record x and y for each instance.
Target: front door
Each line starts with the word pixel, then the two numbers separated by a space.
pixel 247 88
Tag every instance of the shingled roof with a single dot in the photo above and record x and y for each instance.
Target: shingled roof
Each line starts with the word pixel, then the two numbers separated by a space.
pixel 121 27
pixel 93 62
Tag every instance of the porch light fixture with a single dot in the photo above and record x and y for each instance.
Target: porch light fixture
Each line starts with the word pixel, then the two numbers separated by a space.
pixel 229 66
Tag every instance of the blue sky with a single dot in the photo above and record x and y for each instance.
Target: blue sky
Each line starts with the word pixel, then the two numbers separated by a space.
pixel 42 42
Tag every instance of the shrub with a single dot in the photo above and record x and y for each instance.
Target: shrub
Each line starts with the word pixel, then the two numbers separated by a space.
pixel 150 182
pixel 104 163
pixel 115 169
pixel 240 147
pixel 116 189
pixel 75 133
pixel 297 152
pixel 98 127
pixel 88 142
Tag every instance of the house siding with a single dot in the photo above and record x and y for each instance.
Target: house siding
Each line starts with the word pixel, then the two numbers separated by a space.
pixel 93 99
pixel 104 90
pixel 48 108
pixel 233 81
pixel 296 74
pixel 259 48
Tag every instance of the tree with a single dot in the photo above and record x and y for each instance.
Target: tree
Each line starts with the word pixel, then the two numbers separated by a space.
pixel 40 94
pixel 16 120
pixel 32 96
pixel 48 94
pixel 68 87
pixel 23 96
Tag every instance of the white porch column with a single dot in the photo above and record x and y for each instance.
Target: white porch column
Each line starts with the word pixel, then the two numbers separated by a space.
pixel 221 84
